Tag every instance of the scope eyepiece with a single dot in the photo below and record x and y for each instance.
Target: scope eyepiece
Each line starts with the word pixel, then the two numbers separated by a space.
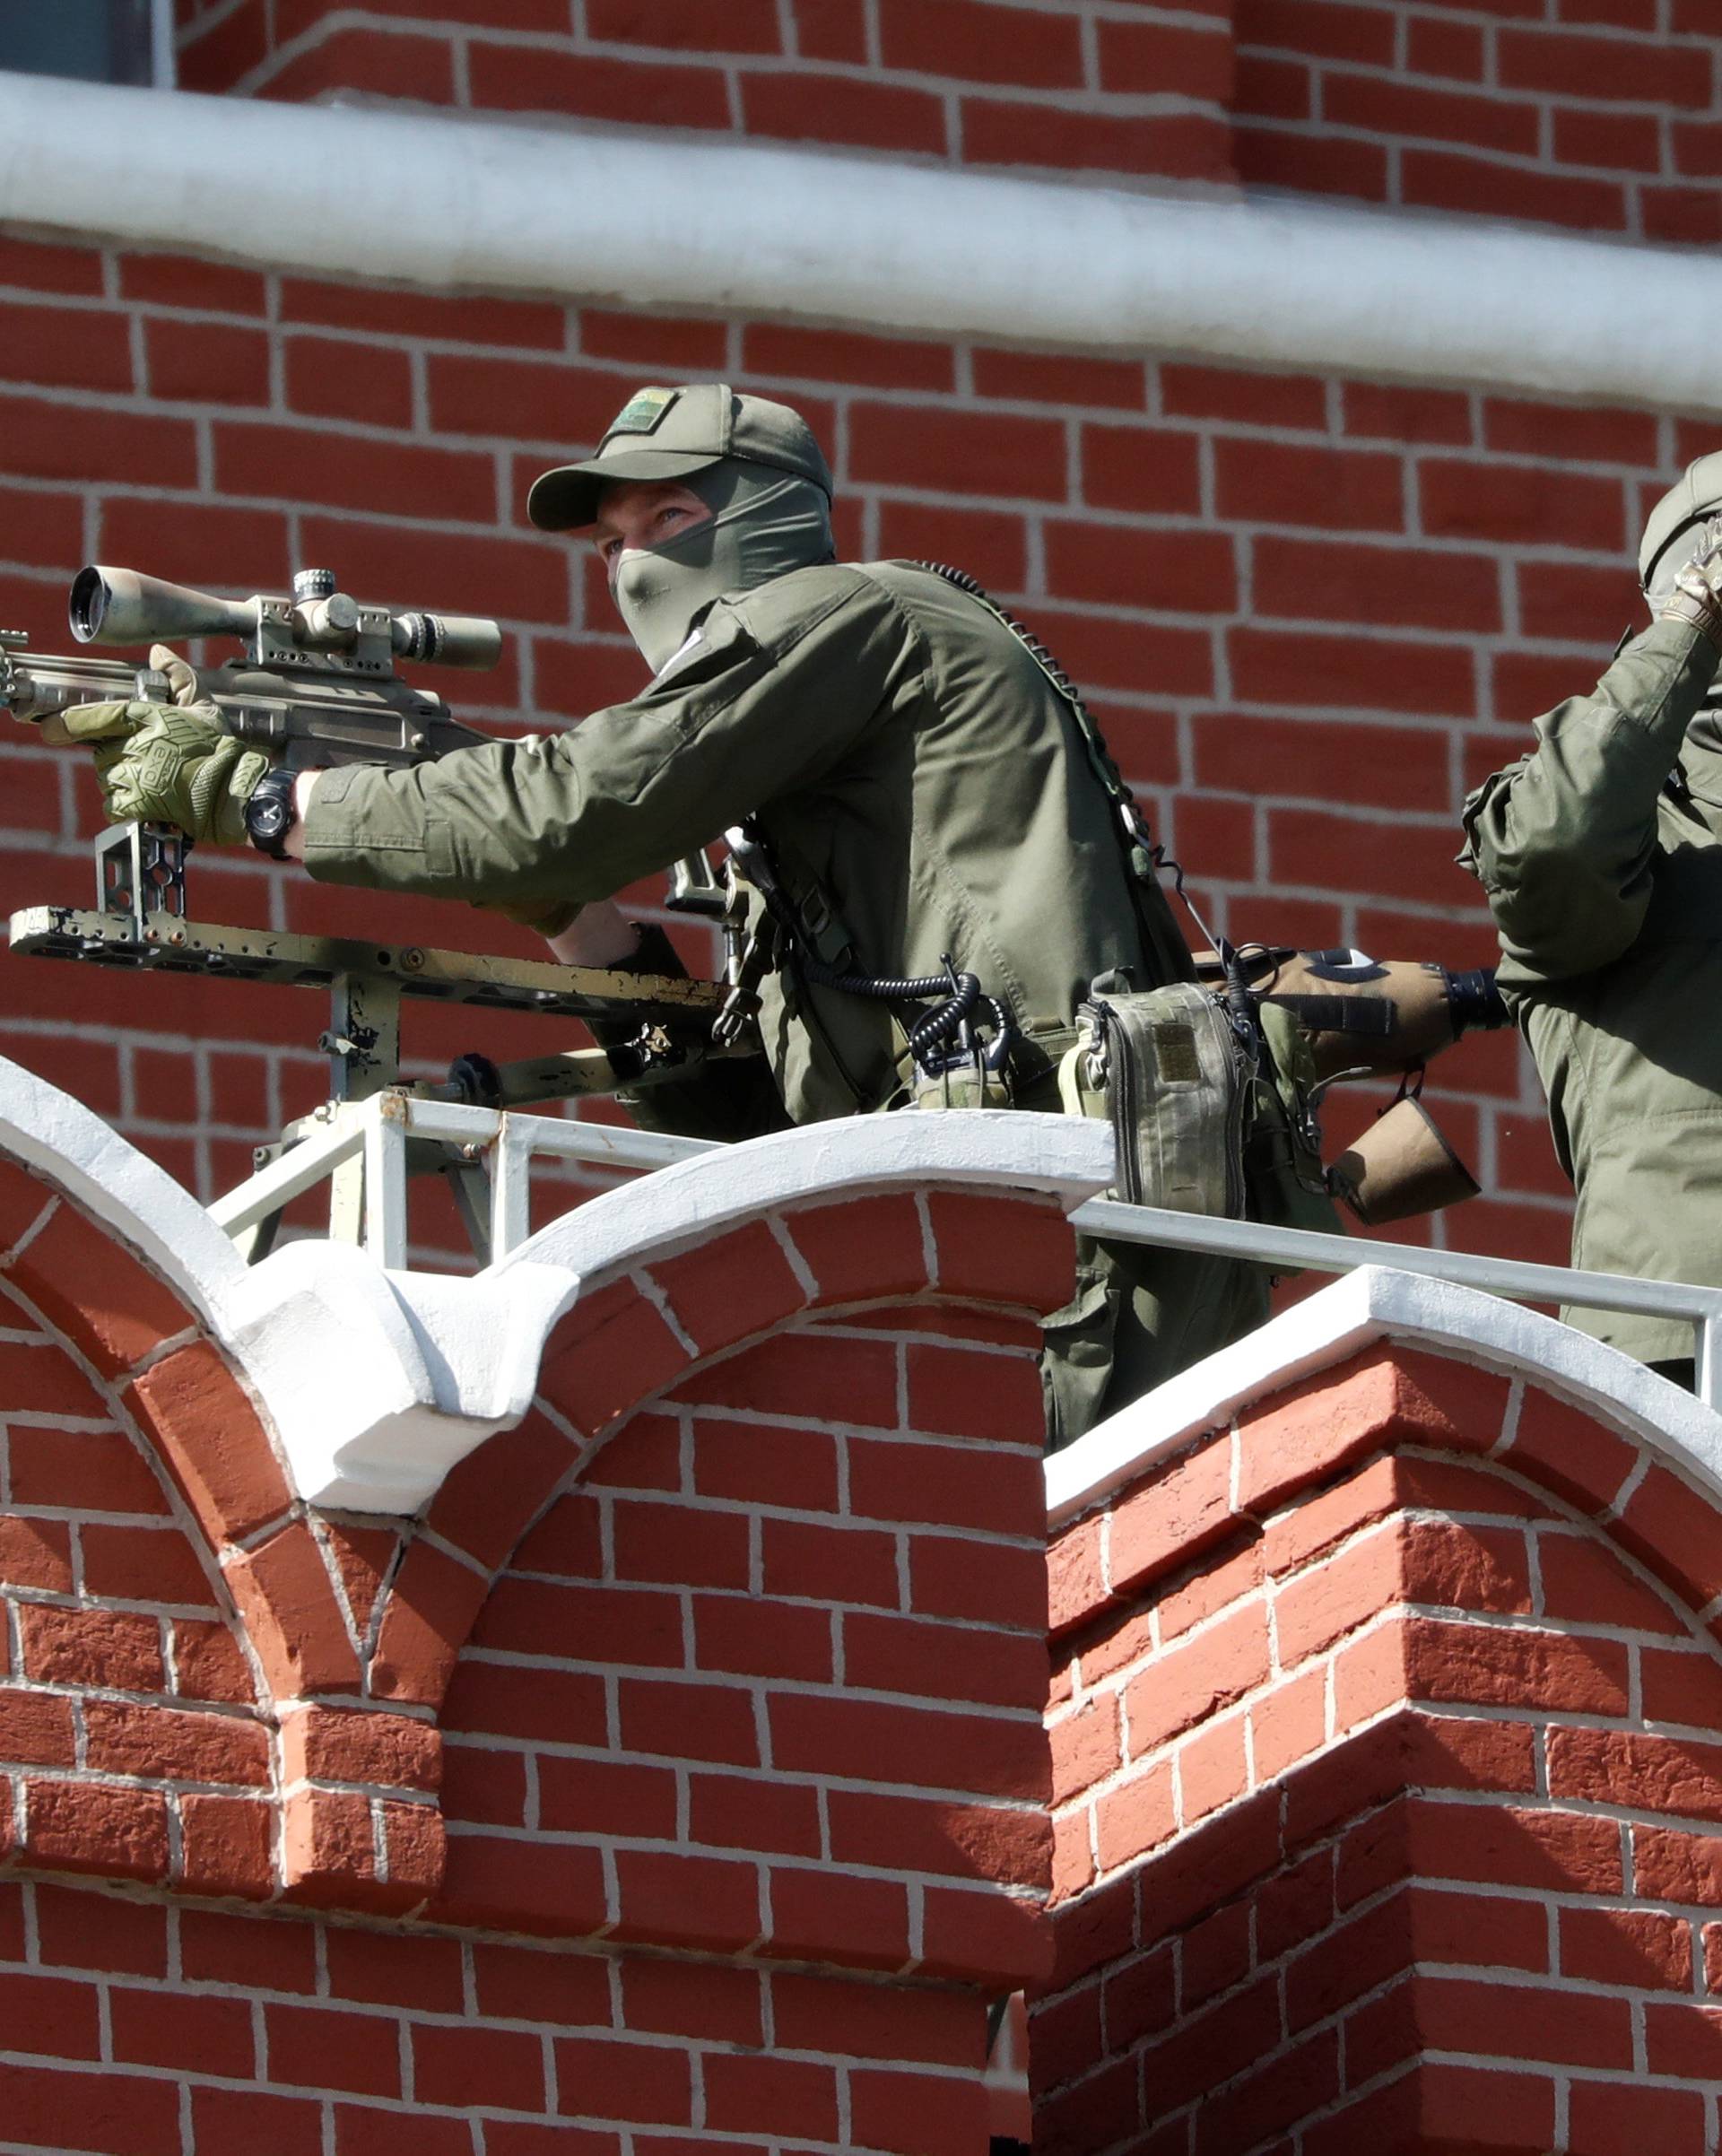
pixel 447 640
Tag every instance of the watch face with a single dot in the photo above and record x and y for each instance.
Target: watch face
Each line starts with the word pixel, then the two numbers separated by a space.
pixel 269 817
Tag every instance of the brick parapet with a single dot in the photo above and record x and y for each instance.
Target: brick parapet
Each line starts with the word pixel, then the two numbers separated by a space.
pixel 749 1725
pixel 164 2029
pixel 1383 1729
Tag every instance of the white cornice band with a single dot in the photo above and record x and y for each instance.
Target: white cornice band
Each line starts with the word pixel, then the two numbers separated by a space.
pixel 374 1382
pixel 457 204
pixel 1341 1321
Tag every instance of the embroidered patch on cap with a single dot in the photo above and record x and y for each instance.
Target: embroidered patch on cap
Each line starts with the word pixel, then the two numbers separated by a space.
pixel 643 411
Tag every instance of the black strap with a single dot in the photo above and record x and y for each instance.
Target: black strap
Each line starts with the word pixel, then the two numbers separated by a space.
pixel 1374 1015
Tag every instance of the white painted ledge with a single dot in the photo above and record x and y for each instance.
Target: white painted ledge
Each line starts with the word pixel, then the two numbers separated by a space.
pixel 375 1383
pixel 454 202
pixel 1372 1304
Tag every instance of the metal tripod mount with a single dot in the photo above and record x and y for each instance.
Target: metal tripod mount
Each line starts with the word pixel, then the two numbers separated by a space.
pixel 141 922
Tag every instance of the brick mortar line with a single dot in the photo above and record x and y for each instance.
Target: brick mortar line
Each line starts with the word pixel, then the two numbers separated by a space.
pixel 125 1605
pixel 404 2106
pixel 1137 1766
pixel 29 1777
pixel 776 1687
pixel 734 1595
pixel 839 1784
pixel 1497 1975
pixel 614 1954
pixel 1522 554
pixel 1477 1800
pixel 747 65
pixel 1534 1714
pixel 242 417
pixel 390 1793
pixel 775 1419
pixel 1530 163
pixel 520 1657
pixel 978 1890
pixel 236 1711
pixel 82 1426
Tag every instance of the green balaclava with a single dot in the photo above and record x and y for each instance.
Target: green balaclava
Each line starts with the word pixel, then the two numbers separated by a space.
pixel 764 523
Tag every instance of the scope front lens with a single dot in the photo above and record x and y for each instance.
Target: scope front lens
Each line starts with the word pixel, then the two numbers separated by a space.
pixel 87 604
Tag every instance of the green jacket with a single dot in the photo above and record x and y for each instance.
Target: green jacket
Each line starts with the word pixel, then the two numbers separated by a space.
pixel 910 763
pixel 1602 856
pixel 913 769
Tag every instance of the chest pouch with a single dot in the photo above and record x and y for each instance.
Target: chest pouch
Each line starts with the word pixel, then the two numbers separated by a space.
pixel 1166 1068
pixel 1210 1116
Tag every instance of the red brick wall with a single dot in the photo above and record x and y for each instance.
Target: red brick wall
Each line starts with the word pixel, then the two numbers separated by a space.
pixel 706 1733
pixel 145 2029
pixel 1143 94
pixel 1385 1737
pixel 1602 114
pixel 1310 613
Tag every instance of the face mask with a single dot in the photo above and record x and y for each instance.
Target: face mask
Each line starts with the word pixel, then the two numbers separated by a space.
pixel 765 523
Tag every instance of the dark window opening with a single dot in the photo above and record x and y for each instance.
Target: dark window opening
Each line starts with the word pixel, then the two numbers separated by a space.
pixel 96 41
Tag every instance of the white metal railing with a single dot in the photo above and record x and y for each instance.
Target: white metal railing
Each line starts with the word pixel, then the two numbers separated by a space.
pixel 377 1132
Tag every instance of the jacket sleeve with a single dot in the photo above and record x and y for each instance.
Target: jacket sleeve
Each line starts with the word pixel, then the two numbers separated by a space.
pixel 1563 840
pixel 775 689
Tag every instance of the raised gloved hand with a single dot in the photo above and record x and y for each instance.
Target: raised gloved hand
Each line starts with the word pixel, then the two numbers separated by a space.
pixel 1696 597
pixel 170 763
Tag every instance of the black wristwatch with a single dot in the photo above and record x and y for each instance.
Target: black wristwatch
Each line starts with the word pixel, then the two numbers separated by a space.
pixel 272 812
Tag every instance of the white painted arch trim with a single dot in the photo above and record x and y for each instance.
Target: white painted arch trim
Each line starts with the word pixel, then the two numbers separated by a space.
pixel 453 203
pixel 1372 1304
pixel 482 1340
pixel 374 1384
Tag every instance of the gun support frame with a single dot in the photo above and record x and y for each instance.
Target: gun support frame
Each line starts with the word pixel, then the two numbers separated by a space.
pixel 140 872
pixel 366 984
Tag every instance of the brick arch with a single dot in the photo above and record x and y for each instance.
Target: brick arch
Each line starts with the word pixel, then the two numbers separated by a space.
pixel 141 1339
pixel 626 1338
pixel 133 1729
pixel 1407 1630
pixel 852 1389
pixel 204 1511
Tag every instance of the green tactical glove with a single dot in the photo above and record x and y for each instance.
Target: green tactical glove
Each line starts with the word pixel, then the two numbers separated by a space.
pixel 1697 594
pixel 170 763
pixel 181 766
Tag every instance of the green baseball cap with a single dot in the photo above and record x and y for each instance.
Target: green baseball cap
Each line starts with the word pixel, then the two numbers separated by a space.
pixel 668 434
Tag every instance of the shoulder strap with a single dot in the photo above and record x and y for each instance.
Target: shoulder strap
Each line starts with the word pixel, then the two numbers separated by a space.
pixel 1142 855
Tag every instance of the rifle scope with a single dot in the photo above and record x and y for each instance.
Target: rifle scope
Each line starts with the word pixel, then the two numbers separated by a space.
pixel 121 606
